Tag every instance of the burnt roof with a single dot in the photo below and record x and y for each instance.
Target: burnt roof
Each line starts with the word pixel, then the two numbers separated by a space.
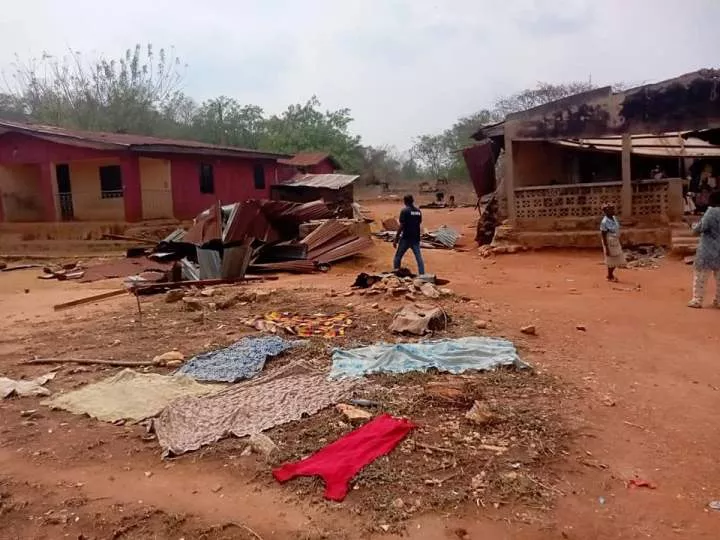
pixel 100 140
pixel 308 159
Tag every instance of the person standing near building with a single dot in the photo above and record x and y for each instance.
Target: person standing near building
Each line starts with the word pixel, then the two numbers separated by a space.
pixel 707 257
pixel 610 233
pixel 408 235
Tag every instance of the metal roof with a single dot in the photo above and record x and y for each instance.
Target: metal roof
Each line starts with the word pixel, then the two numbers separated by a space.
pixel 676 144
pixel 125 141
pixel 308 159
pixel 323 181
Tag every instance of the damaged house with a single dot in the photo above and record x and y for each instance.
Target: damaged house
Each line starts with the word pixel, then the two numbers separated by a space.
pixel 635 149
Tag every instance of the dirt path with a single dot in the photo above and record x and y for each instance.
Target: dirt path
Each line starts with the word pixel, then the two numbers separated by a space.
pixel 647 364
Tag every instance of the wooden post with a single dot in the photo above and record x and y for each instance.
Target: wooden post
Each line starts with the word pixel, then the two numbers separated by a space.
pixel 626 197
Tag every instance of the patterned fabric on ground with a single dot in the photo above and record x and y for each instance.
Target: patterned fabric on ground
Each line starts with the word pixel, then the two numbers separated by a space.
pixel 319 324
pixel 700 279
pixel 707 256
pixel 245 409
pixel 339 462
pixel 448 355
pixel 128 395
pixel 241 360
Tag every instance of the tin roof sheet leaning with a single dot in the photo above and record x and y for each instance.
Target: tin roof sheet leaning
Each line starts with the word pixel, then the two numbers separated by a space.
pixel 320 181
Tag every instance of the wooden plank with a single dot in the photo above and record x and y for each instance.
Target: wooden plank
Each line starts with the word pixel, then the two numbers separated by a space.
pixel 149 287
pixel 89 299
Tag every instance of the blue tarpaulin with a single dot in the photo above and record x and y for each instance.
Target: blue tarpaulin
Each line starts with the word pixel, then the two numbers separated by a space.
pixel 446 355
pixel 241 360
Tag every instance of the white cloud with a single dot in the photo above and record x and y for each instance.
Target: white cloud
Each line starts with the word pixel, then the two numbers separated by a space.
pixel 403 67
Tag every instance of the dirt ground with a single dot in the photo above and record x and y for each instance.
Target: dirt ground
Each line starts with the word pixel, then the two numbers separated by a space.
pixel 631 396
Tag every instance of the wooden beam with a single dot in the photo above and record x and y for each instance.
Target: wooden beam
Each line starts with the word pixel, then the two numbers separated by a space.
pixel 89 299
pixel 626 198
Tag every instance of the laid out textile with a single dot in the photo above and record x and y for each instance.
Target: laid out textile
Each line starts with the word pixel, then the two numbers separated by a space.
pixel 339 462
pixel 129 395
pixel 319 324
pixel 245 409
pixel 447 355
pixel 34 387
pixel 241 360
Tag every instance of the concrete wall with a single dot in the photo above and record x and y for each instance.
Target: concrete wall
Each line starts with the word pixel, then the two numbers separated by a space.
pixel 20 192
pixel 155 181
pixel 88 205
pixel 539 164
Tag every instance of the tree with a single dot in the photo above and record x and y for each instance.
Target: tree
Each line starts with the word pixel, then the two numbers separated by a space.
pixel 304 127
pixel 434 153
pixel 539 95
pixel 129 94
pixel 225 121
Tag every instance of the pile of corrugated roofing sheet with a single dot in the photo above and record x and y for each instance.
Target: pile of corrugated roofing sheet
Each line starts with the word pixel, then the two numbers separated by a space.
pixel 444 237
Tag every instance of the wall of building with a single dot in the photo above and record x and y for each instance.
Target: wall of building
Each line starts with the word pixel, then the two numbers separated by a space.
pixel 16 148
pixel 324 167
pixel 20 193
pixel 156 187
pixel 88 205
pixel 540 164
pixel 233 179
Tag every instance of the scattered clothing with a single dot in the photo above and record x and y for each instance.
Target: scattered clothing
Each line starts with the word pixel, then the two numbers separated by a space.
pixel 241 360
pixel 446 355
pixel 244 409
pixel 128 395
pixel 34 387
pixel 318 325
pixel 614 256
pixel 339 462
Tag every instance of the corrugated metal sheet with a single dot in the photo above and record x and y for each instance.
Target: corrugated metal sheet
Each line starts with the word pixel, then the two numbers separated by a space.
pixel 446 236
pixel 210 263
pixel 103 140
pixel 320 181
pixel 358 245
pixel 308 159
pixel 324 233
pixel 300 267
pixel 207 227
pixel 665 145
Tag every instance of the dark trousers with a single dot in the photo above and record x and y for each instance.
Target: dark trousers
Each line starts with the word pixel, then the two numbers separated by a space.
pixel 402 248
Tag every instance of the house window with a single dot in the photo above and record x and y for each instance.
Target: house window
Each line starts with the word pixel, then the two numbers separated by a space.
pixel 111 186
pixel 259 175
pixel 207 178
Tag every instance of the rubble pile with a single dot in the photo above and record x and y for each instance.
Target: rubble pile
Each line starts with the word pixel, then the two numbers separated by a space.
pixel 644 256
pixel 392 285
pixel 443 237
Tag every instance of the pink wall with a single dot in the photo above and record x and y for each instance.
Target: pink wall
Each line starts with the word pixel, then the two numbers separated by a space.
pixel 286 172
pixel 234 181
pixel 324 167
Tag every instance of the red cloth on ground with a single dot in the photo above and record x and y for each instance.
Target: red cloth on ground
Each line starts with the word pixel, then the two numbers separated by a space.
pixel 340 461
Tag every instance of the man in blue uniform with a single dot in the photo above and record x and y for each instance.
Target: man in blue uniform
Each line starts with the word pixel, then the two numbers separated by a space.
pixel 408 235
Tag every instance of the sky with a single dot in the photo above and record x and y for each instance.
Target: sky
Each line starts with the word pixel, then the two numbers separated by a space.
pixel 403 67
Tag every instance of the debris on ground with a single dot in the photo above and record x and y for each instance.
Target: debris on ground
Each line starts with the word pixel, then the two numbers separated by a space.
pixel 640 483
pixel 419 319
pixel 319 324
pixel 262 444
pixel 481 324
pixel 442 238
pixel 690 259
pixel 353 413
pixel 170 358
pixel 447 355
pixel 644 256
pixel 714 505
pixel 23 388
pixel 128 395
pixel 529 329
pixel 243 359
pixel 480 413
pixel 244 409
pixel 339 462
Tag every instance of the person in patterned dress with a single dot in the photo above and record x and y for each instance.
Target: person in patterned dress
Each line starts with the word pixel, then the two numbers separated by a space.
pixel 707 257
pixel 610 233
